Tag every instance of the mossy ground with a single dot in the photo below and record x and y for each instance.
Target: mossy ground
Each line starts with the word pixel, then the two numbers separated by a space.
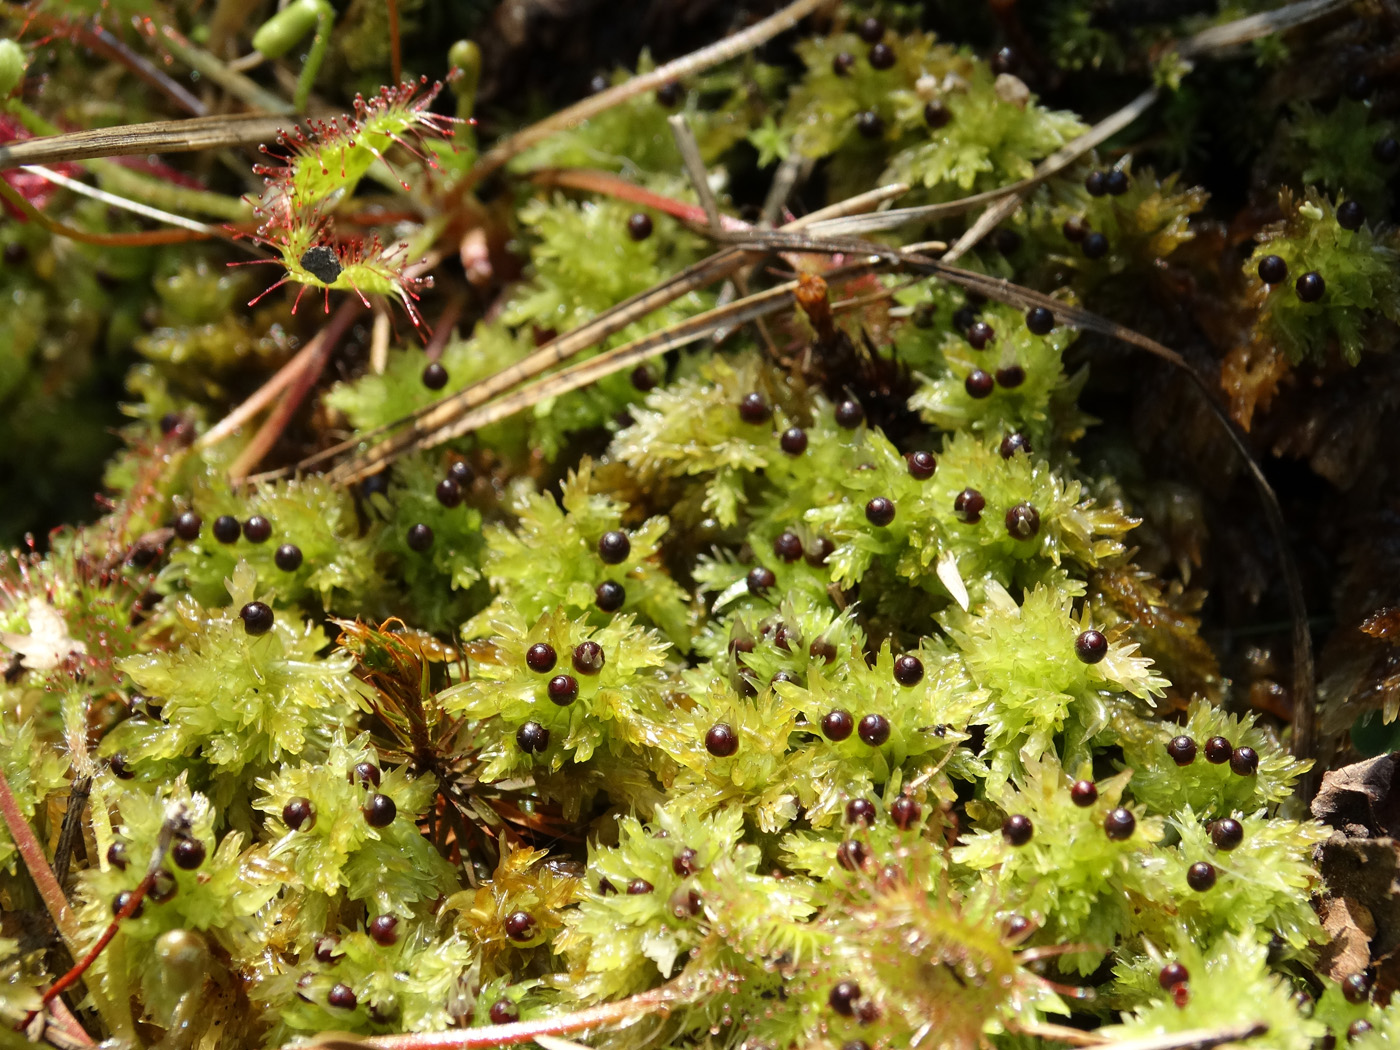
pixel 815 684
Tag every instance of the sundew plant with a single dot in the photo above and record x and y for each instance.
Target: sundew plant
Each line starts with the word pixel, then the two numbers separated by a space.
pixel 808 542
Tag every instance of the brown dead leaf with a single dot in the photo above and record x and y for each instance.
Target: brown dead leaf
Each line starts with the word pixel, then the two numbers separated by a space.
pixel 1350 926
pixel 1361 799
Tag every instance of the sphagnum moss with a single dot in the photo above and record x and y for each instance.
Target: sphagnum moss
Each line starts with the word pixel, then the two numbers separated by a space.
pixel 775 684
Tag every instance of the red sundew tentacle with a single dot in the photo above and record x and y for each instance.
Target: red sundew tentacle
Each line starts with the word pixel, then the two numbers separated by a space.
pixel 268 291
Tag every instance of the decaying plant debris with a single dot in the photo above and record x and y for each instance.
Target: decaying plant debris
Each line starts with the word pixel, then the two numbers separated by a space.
pixel 811 540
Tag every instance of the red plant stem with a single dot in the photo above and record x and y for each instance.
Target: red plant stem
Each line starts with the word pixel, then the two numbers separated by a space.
pixel 132 903
pixel 657 1002
pixel 33 855
pixel 395 51
pixel 291 400
pixel 610 185
pixel 127 240
pixel 442 331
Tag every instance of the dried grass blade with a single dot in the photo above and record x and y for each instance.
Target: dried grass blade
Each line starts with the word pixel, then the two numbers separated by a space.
pixel 160 136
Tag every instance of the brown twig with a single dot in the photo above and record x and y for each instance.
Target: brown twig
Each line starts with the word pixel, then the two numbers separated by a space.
pixel 655 1003
pixel 395 46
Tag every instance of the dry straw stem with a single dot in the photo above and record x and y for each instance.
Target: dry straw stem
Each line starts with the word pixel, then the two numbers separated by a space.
pixel 160 136
pixel 425 425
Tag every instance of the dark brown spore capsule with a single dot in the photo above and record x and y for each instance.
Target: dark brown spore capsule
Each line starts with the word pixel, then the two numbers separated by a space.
pixel 419 537
pixel 342 997
pixel 1218 750
pixel 843 996
pixel 968 506
pixel 1200 876
pixel 979 334
pixel 905 812
pixel 227 529
pixel 860 811
pixel 788 546
pixel 257 529
pixel 298 813
pixel 979 384
pixel 520 926
pixel 759 579
pixel 434 375
pixel 1182 750
pixel 257 618
pixel 1356 988
pixel 541 657
pixel 188 854
pixel 187 525
pixel 721 740
pixel 1023 521
pixel 1226 834
pixel 448 493
pixel 614 547
pixel 874 730
pixel 562 689
pixel 1013 443
pixel 288 557
pixel 882 57
pixel 588 658
pixel 503 1011
pixel 1171 975
pixel 870 124
pixel 1244 761
pixel 842 63
pixel 921 464
pixel 1119 824
pixel 610 596
pixel 819 550
pixel 1350 215
pixel 639 226
pixel 871 30
pixel 380 811
pixel 937 114
pixel 639 888
pixel 879 512
pixel 1040 320
pixel 837 725
pixel 753 408
pixel 908 670
pixel 384 930
pixel 851 855
pixel 1084 793
pixel 1017 829
pixel 1310 287
pixel 793 441
pixel 532 738
pixel 1091 646
pixel 849 414
pixel 1094 246
pixel 1272 269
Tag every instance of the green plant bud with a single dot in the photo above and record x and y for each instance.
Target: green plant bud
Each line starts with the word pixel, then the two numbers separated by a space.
pixel 12 63
pixel 284 30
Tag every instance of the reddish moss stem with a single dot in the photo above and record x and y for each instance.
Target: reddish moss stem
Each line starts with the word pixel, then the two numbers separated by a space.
pixel 33 855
